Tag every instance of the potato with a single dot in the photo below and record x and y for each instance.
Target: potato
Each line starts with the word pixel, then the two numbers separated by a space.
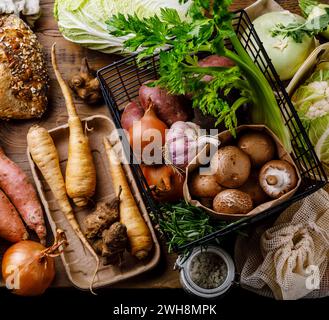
pixel 169 108
pixel 203 186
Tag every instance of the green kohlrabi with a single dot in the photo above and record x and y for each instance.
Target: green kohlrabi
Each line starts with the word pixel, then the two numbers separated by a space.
pixel 83 21
pixel 287 55
pixel 312 103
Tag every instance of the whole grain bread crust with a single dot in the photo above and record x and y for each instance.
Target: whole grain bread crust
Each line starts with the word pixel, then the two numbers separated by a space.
pixel 24 79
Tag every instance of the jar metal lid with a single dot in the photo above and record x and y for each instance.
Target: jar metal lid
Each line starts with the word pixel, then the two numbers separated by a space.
pixel 184 264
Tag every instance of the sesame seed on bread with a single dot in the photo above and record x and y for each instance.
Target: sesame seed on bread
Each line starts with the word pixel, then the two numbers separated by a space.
pixel 23 71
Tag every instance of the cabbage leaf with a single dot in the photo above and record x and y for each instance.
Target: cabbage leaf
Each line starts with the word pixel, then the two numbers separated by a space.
pixel 319 137
pixel 84 21
pixel 311 100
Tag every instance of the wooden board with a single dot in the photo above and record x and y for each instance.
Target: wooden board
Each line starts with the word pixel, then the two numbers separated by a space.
pixel 13 133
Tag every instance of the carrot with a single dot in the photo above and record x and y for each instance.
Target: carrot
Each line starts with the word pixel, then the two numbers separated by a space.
pixel 11 226
pixel 16 185
pixel 44 154
pixel 80 170
pixel 139 235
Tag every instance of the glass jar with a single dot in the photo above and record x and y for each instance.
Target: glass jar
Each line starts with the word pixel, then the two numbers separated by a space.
pixel 183 263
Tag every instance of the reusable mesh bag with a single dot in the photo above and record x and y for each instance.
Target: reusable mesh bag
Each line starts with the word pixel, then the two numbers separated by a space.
pixel 290 259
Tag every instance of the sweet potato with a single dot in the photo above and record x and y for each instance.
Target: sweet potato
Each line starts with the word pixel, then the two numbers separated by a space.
pixel 16 185
pixel 169 108
pixel 11 226
pixel 133 112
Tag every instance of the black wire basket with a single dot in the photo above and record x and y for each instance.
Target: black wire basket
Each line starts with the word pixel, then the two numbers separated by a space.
pixel 120 84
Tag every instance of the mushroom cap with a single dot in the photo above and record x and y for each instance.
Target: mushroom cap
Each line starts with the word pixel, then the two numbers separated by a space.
pixel 277 177
pixel 231 166
pixel 253 188
pixel 232 201
pixel 204 185
pixel 258 146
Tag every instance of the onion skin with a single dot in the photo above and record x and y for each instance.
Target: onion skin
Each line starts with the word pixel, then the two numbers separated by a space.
pixel 138 135
pixel 37 270
pixel 132 112
pixel 165 182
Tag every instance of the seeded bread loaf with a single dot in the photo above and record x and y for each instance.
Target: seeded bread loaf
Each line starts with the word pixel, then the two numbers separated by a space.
pixel 23 72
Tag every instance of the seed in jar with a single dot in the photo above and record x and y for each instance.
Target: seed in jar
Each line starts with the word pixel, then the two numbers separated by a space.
pixel 208 270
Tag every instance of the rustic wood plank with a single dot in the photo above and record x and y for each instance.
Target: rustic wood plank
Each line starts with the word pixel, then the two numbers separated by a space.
pixel 13 133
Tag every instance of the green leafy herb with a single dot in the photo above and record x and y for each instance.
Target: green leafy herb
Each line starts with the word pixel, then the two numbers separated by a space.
pixel 298 31
pixel 207 27
pixel 184 223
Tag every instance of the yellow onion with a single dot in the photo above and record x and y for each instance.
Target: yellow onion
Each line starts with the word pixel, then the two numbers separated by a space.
pixel 28 267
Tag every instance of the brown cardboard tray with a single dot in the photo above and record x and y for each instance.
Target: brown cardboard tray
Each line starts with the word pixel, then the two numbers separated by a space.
pixel 78 262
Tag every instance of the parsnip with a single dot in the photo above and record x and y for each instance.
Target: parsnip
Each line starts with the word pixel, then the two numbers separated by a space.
pixel 80 170
pixel 139 235
pixel 44 154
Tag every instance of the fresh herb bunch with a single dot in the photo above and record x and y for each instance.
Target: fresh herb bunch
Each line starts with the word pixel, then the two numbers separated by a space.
pixel 297 31
pixel 183 223
pixel 208 24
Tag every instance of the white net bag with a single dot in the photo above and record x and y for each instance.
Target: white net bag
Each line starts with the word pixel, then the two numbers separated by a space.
pixel 290 259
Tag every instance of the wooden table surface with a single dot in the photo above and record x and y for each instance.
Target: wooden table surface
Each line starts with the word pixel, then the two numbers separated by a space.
pixel 13 133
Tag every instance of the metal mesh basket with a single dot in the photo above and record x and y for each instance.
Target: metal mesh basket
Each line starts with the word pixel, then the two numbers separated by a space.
pixel 120 83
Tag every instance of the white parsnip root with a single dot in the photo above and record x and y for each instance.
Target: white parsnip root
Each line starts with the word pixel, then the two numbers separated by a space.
pixel 80 170
pixel 45 156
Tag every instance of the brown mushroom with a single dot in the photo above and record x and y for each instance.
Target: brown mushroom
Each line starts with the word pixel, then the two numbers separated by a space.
pixel 277 177
pixel 253 188
pixel 203 185
pixel 231 166
pixel 258 146
pixel 232 201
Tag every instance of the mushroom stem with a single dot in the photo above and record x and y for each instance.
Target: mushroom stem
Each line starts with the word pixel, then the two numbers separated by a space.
pixel 271 180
